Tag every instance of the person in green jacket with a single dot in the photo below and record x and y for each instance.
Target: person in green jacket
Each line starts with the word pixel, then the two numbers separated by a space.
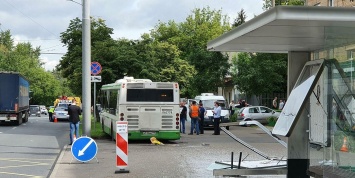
pixel 50 113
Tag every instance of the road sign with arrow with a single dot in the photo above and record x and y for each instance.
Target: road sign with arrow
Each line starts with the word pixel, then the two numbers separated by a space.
pixel 84 149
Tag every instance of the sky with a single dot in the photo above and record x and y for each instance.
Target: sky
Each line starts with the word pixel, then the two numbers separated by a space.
pixel 40 22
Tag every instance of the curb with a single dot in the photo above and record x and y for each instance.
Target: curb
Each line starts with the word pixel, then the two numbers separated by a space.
pixel 53 173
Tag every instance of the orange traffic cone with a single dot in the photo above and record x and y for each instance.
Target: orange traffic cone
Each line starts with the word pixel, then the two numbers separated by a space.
pixel 344 148
pixel 55 119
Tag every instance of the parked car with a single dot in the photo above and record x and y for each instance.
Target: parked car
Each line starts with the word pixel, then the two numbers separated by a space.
pixel 61 113
pixel 257 113
pixel 35 110
pixel 43 109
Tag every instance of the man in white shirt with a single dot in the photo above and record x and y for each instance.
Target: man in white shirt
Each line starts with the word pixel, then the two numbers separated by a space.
pixel 216 118
pixel 281 105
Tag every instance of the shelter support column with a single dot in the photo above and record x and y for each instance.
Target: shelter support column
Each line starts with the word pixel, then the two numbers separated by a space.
pixel 298 141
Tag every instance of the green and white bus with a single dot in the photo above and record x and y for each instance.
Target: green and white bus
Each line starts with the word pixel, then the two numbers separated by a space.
pixel 151 108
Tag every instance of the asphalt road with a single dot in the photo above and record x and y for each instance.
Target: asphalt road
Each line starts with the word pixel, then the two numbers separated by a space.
pixel 31 149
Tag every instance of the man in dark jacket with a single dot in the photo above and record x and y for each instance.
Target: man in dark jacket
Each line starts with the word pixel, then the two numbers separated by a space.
pixel 183 118
pixel 74 112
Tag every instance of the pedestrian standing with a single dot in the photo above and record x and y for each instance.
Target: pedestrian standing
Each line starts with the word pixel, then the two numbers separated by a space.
pixel 274 103
pixel 216 118
pixel 193 112
pixel 231 107
pixel 183 117
pixel 201 114
pixel 281 105
pixel 74 112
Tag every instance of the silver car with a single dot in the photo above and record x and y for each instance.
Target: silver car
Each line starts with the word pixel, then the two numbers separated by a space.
pixel 35 110
pixel 61 113
pixel 256 113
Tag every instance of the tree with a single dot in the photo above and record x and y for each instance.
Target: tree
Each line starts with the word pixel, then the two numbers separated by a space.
pixel 5 40
pixel 71 64
pixel 241 18
pixel 256 74
pixel 23 58
pixel 191 37
pixel 268 3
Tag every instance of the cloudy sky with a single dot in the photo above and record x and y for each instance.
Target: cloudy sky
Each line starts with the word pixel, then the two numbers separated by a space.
pixel 40 22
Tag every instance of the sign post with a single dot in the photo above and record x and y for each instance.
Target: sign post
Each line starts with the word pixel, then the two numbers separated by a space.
pixel 122 146
pixel 95 70
pixel 84 149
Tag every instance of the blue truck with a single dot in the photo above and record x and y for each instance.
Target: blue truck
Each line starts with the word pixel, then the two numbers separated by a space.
pixel 14 98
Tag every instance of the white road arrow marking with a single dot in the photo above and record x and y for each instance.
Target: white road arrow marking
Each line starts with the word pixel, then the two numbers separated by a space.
pixel 81 152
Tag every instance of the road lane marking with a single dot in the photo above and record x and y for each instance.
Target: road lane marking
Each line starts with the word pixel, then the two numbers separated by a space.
pixel 25 165
pixel 26 175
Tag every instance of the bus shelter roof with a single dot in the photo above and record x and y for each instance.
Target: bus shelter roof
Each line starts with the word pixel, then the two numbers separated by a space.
pixel 291 28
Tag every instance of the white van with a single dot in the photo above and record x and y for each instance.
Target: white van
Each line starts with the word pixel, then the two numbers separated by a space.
pixel 208 100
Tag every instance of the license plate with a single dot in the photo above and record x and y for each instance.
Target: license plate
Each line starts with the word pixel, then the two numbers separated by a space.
pixel 149 133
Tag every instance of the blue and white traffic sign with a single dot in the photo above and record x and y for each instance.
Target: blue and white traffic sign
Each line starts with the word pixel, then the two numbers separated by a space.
pixel 84 149
pixel 95 68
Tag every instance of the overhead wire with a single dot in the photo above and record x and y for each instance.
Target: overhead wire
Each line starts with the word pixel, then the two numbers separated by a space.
pixel 29 18
pixel 42 52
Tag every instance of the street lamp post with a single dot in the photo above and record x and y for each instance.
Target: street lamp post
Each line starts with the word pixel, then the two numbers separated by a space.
pixel 86 62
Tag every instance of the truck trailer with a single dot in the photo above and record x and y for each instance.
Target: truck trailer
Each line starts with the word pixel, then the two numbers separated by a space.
pixel 14 98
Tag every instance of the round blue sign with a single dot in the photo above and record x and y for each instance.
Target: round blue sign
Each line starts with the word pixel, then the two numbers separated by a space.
pixel 95 68
pixel 84 149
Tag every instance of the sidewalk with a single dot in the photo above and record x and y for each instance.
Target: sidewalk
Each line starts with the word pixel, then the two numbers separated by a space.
pixel 101 166
pixel 188 157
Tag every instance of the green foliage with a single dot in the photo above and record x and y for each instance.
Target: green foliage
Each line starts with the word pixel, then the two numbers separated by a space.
pixel 294 3
pixel 241 18
pixel 267 5
pixel 96 130
pixel 23 58
pixel 234 117
pixel 271 121
pixel 211 67
pixel 256 74
pixel 70 66
pixel 191 38
pixel 171 52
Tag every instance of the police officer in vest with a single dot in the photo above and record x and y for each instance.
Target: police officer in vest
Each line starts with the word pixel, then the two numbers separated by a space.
pixel 50 113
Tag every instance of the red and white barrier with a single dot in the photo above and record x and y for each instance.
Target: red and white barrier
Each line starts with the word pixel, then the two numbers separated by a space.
pixel 122 146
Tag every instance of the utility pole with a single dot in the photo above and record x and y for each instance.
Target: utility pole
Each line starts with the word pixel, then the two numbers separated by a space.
pixel 86 62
